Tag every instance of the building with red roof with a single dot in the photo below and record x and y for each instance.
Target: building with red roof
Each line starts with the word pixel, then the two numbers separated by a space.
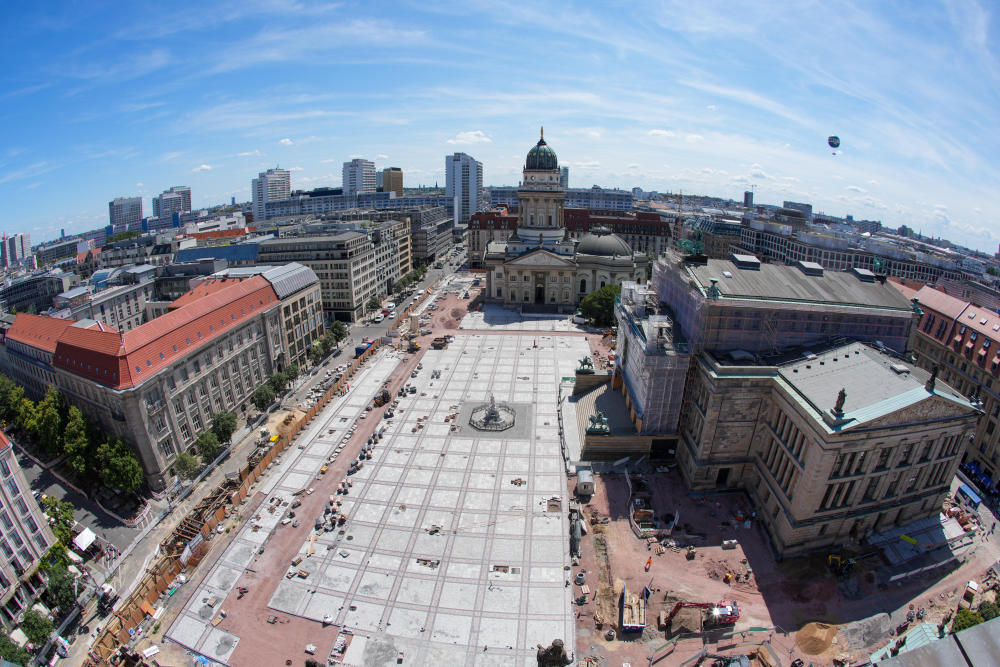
pixel 962 340
pixel 27 350
pixel 158 385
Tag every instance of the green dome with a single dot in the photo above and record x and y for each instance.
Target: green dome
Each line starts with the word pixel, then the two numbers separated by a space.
pixel 541 157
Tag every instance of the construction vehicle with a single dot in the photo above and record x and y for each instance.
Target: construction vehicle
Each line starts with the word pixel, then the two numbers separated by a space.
pixel 439 343
pixel 633 610
pixel 414 346
pixel 723 613
pixel 382 398
pixel 840 566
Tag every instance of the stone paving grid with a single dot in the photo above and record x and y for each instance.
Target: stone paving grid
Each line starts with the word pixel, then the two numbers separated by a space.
pixel 192 627
pixel 496 317
pixel 369 580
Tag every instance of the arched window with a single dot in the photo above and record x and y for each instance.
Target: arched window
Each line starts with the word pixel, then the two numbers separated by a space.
pixel 602 283
pixel 583 285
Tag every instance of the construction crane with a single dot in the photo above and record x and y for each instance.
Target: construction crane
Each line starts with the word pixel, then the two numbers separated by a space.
pixel 723 613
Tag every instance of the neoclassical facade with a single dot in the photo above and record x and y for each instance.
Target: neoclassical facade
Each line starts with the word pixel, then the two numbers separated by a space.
pixel 538 265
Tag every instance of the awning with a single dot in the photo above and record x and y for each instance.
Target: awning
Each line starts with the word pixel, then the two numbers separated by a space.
pixel 84 539
pixel 969 345
pixel 958 339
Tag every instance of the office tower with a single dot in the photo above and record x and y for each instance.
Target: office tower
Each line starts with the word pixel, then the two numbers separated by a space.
pixel 464 185
pixel 270 185
pixel 15 248
pixel 175 200
pixel 748 199
pixel 392 180
pixel 359 176
pixel 564 177
pixel 125 213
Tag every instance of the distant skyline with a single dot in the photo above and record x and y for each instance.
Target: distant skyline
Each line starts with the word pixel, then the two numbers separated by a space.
pixel 103 99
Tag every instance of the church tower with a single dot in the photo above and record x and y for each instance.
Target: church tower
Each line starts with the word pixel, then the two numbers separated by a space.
pixel 541 198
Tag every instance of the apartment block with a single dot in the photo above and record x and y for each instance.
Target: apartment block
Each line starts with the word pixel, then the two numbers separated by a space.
pixel 124 214
pixel 358 177
pixel 25 537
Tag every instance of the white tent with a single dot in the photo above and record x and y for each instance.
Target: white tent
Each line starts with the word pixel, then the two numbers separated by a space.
pixel 84 539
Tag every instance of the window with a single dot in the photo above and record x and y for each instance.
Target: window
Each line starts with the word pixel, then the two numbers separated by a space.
pixel 4 468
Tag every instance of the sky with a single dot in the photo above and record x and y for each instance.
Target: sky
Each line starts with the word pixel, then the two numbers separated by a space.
pixel 106 99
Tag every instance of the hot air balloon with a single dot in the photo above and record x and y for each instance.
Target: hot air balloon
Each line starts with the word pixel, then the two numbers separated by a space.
pixel 833 141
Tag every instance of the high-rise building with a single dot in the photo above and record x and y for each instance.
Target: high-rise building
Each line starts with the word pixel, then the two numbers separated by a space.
pixel 175 200
pixel 359 176
pixel 464 185
pixel 125 213
pixel 392 180
pixel 748 199
pixel 564 177
pixel 14 249
pixel 271 185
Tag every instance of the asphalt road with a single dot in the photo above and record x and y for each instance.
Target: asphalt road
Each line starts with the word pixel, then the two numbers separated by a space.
pixel 87 512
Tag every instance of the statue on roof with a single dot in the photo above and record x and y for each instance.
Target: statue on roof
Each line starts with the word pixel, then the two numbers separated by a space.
pixel 838 407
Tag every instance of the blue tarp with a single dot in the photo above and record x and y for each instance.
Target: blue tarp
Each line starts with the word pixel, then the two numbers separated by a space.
pixel 966 490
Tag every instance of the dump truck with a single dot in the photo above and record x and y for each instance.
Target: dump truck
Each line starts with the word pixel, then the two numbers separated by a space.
pixel 633 610
pixel 414 346
pixel 382 398
pixel 439 343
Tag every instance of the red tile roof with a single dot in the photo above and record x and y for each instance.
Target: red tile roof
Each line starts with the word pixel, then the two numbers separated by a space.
pixel 4 442
pixel 38 330
pixel 222 233
pixel 210 286
pixel 947 305
pixel 126 360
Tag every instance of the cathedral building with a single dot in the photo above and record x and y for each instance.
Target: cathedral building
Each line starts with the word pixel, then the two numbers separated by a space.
pixel 539 266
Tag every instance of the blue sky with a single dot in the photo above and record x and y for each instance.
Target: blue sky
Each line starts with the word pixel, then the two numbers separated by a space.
pixel 103 99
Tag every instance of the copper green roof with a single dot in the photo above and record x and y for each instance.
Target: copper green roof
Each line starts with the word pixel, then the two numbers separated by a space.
pixel 541 157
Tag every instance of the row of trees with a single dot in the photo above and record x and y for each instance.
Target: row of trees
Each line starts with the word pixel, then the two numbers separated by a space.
pixel 264 395
pixel 57 428
pixel 322 347
pixel 208 444
pixel 966 618
pixel 414 276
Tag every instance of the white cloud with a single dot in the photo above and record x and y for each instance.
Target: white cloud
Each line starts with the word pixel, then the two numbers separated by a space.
pixel 286 142
pixel 381 156
pixel 327 161
pixel 355 156
pixel 139 185
pixel 254 153
pixel 691 138
pixel 470 137
pixel 202 167
pixel 295 169
pixel 854 188
pixel 757 171
pixel 632 166
pixel 661 133
pixel 711 107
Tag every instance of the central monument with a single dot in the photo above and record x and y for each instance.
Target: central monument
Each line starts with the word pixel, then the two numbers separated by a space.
pixel 492 416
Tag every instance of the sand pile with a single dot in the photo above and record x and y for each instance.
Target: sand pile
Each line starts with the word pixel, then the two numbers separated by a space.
pixel 815 638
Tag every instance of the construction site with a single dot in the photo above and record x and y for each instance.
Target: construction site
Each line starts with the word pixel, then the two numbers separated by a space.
pixel 669 577
pixel 432 507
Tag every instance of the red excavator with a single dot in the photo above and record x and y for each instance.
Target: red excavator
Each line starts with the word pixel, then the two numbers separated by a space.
pixel 723 613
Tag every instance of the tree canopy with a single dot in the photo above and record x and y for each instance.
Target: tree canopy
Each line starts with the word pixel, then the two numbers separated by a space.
pixel 60 588
pixel 599 306
pixel 263 397
pixel 36 627
pixel 208 445
pixel 965 618
pixel 186 465
pixel 223 425
pixel 339 331
pixel 118 467
pixel 11 652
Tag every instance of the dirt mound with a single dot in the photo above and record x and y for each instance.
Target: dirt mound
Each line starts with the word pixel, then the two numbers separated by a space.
pixel 815 638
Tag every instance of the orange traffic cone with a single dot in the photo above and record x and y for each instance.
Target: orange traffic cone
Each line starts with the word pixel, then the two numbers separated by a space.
pixel 649 563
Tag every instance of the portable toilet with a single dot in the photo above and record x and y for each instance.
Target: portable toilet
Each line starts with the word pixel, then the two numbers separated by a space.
pixel 585 482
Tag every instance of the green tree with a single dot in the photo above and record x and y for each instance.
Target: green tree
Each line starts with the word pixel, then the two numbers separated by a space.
pixel 992 271
pixel 60 588
pixel 11 652
pixel 316 352
pixel 49 422
pixel 262 397
pixel 208 445
pixel 118 467
pixel 76 441
pixel 291 371
pixel 277 382
pixel 224 425
pixel 11 394
pixel 27 416
pixel 339 331
pixel 965 618
pixel 599 306
pixel 186 465
pixel 989 610
pixel 374 303
pixel 60 515
pixel 36 627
